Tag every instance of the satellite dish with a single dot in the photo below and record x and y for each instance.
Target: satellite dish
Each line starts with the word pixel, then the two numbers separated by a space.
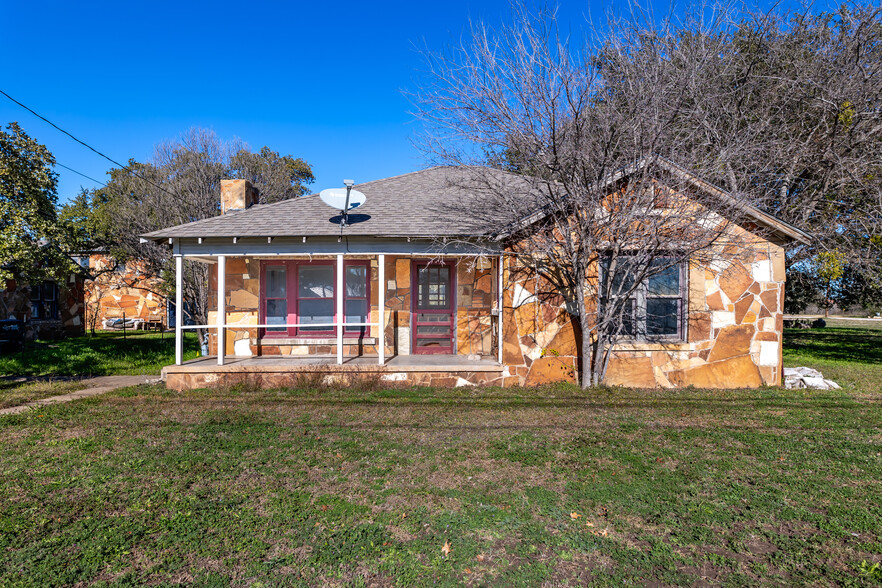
pixel 343 199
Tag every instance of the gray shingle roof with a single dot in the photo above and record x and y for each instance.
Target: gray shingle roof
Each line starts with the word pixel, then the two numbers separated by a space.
pixel 427 203
pixel 417 204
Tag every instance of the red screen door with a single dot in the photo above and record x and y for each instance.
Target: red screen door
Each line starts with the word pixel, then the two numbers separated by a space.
pixel 434 328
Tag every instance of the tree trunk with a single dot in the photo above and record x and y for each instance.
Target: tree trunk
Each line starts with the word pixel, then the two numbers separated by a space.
pixel 587 376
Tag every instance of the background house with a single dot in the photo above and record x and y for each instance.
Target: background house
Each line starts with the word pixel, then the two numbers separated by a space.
pixel 49 309
pixel 123 290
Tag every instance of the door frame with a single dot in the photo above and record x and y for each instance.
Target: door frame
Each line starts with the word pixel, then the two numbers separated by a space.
pixel 414 311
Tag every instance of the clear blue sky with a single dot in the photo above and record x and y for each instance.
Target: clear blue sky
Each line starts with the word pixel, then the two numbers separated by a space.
pixel 318 80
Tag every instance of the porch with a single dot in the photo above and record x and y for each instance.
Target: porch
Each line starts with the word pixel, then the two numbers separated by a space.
pixel 413 314
pixel 281 371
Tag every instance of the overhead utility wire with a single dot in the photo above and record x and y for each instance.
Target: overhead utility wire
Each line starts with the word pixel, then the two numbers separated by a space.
pixel 78 173
pixel 84 144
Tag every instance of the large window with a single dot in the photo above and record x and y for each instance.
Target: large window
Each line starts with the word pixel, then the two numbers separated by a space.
pixel 301 292
pixel 654 309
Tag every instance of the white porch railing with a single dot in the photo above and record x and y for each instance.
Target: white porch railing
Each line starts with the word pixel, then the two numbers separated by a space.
pixel 222 327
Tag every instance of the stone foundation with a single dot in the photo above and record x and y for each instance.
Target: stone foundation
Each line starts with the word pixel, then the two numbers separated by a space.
pixel 188 378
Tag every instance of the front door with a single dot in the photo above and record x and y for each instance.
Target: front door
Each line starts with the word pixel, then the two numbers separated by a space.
pixel 433 320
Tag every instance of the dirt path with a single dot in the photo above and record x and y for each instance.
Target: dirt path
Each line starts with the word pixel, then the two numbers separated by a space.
pixel 94 387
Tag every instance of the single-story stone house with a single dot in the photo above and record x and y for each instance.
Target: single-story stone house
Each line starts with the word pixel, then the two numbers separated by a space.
pixel 49 309
pixel 422 297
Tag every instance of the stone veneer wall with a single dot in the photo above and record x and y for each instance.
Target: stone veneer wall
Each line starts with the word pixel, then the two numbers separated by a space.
pixel 15 302
pixel 475 296
pixel 735 327
pixel 734 330
pixel 540 340
pixel 128 292
pixel 475 300
pixel 71 305
pixel 734 324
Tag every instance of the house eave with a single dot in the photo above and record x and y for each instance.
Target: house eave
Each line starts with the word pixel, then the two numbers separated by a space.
pixel 323 245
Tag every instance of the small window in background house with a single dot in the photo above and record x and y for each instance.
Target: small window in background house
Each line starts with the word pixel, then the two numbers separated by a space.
pixel 44 301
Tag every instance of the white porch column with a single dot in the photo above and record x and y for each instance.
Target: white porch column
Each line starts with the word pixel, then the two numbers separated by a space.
pixel 221 307
pixel 499 263
pixel 179 310
pixel 381 303
pixel 340 295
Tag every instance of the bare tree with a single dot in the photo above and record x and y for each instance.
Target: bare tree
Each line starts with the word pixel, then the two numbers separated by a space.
pixel 181 184
pixel 789 111
pixel 597 213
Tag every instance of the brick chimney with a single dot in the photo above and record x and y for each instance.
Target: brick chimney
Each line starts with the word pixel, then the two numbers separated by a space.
pixel 237 195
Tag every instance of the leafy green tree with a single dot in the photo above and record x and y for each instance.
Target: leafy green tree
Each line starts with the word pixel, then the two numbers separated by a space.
pixel 859 288
pixel 829 267
pixel 32 240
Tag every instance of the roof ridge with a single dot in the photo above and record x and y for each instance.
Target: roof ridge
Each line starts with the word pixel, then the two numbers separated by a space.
pixel 410 173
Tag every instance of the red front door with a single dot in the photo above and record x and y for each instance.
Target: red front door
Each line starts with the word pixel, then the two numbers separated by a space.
pixel 433 319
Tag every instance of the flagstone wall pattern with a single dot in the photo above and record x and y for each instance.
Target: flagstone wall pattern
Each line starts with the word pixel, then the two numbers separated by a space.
pixel 733 332
pixel 124 291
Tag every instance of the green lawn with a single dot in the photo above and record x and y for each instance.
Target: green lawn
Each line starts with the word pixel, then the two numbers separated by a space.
pixel 850 356
pixel 365 486
pixel 104 354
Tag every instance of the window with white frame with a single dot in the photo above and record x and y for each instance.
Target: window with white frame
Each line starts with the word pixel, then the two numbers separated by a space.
pixel 653 309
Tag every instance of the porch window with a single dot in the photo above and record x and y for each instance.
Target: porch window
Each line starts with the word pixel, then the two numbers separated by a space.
pixel 303 292
pixel 355 305
pixel 315 298
pixel 654 309
pixel 275 289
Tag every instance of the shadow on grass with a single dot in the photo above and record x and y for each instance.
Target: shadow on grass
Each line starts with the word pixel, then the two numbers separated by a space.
pixel 838 344
pixel 102 355
pixel 558 397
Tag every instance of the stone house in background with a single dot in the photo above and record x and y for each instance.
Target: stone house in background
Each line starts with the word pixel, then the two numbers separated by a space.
pixel 123 291
pixel 413 295
pixel 49 310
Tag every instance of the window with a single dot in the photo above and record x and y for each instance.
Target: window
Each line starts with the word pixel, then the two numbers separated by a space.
pixel 356 303
pixel 315 298
pixel 44 301
pixel 433 287
pixel 275 289
pixel 302 292
pixel 653 309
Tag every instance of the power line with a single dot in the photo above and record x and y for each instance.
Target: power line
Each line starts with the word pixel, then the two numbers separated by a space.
pixel 79 173
pixel 84 144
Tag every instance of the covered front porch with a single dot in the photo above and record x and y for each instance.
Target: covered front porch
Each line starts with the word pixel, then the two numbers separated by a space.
pixel 413 313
